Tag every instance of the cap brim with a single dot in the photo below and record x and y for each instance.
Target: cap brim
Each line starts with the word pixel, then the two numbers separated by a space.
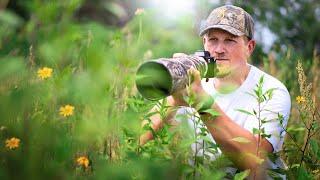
pixel 227 28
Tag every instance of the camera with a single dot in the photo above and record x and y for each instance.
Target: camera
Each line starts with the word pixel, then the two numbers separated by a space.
pixel 159 78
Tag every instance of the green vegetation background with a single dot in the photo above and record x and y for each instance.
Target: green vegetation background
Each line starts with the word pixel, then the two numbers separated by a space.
pixel 94 60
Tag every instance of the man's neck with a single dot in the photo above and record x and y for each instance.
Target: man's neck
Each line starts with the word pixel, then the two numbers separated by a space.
pixel 231 82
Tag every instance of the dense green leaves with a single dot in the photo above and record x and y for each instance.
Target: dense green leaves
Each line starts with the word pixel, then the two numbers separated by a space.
pixel 94 65
pixel 242 175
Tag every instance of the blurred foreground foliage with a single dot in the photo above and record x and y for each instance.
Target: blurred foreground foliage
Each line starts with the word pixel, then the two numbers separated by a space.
pixel 93 70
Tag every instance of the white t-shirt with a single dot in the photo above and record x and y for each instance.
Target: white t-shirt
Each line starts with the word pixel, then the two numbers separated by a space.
pixel 241 99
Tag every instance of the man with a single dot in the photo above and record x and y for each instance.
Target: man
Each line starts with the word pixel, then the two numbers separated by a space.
pixel 228 36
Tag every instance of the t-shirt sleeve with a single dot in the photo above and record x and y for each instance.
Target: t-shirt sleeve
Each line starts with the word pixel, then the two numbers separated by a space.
pixel 275 113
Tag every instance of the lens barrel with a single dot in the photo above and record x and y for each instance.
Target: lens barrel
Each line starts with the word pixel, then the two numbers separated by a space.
pixel 159 78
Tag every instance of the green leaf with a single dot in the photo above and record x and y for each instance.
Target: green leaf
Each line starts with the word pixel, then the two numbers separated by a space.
pixel 281 118
pixel 10 18
pixel 254 112
pixel 269 92
pixel 256 93
pixel 251 94
pixel 150 114
pixel 293 129
pixel 188 143
pixel 261 80
pixel 187 169
pixel 314 146
pixel 264 97
pixel 266 135
pixel 244 111
pixel 212 112
pixel 264 120
pixel 256 131
pixel 295 166
pixel 206 139
pixel 203 129
pixel 302 173
pixel 147 127
pixel 241 140
pixel 242 175
pixel 254 157
pixel 275 173
pixel 189 100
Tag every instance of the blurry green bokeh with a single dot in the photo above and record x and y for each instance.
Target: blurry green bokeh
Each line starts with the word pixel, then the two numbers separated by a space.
pixel 94 69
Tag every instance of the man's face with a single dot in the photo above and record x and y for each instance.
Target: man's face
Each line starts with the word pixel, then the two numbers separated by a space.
pixel 231 52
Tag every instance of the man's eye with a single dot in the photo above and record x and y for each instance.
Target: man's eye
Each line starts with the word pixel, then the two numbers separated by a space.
pixel 230 40
pixel 213 39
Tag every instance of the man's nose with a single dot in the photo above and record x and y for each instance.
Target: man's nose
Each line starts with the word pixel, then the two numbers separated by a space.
pixel 219 48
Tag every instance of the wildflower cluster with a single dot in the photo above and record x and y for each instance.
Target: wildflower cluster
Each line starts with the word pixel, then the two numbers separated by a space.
pixel 45 73
pixel 13 143
pixel 300 99
pixel 307 105
pixel 66 110
pixel 83 161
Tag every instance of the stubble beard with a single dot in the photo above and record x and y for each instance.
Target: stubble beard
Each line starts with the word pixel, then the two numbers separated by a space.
pixel 222 71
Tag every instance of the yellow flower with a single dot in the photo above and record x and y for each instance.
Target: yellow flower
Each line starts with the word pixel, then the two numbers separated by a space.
pixel 139 11
pixel 83 161
pixel 12 143
pixel 66 110
pixel 45 73
pixel 300 99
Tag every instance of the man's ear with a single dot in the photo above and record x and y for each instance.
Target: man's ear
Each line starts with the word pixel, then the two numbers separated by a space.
pixel 251 46
pixel 204 41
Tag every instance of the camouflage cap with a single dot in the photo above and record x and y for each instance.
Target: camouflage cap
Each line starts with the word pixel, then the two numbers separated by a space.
pixel 230 18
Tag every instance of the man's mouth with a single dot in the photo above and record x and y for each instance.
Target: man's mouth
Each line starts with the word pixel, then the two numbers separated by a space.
pixel 221 59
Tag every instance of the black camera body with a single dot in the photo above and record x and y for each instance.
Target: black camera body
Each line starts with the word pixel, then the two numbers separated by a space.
pixel 211 62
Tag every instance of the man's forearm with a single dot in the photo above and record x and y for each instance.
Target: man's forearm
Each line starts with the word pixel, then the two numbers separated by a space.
pixel 144 138
pixel 242 153
pixel 157 123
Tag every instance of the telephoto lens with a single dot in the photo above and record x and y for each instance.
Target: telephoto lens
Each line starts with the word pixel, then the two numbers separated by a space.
pixel 159 78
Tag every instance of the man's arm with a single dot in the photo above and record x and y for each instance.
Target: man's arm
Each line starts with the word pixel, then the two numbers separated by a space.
pixel 244 155
pixel 224 130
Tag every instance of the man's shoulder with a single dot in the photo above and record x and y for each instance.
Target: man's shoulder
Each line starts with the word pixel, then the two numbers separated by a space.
pixel 280 94
pixel 269 81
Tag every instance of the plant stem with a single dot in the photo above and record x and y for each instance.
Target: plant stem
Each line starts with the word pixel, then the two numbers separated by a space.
pixel 259 134
pixel 309 135
pixel 292 139
pixel 305 146
pixel 196 150
pixel 203 151
pixel 140 31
